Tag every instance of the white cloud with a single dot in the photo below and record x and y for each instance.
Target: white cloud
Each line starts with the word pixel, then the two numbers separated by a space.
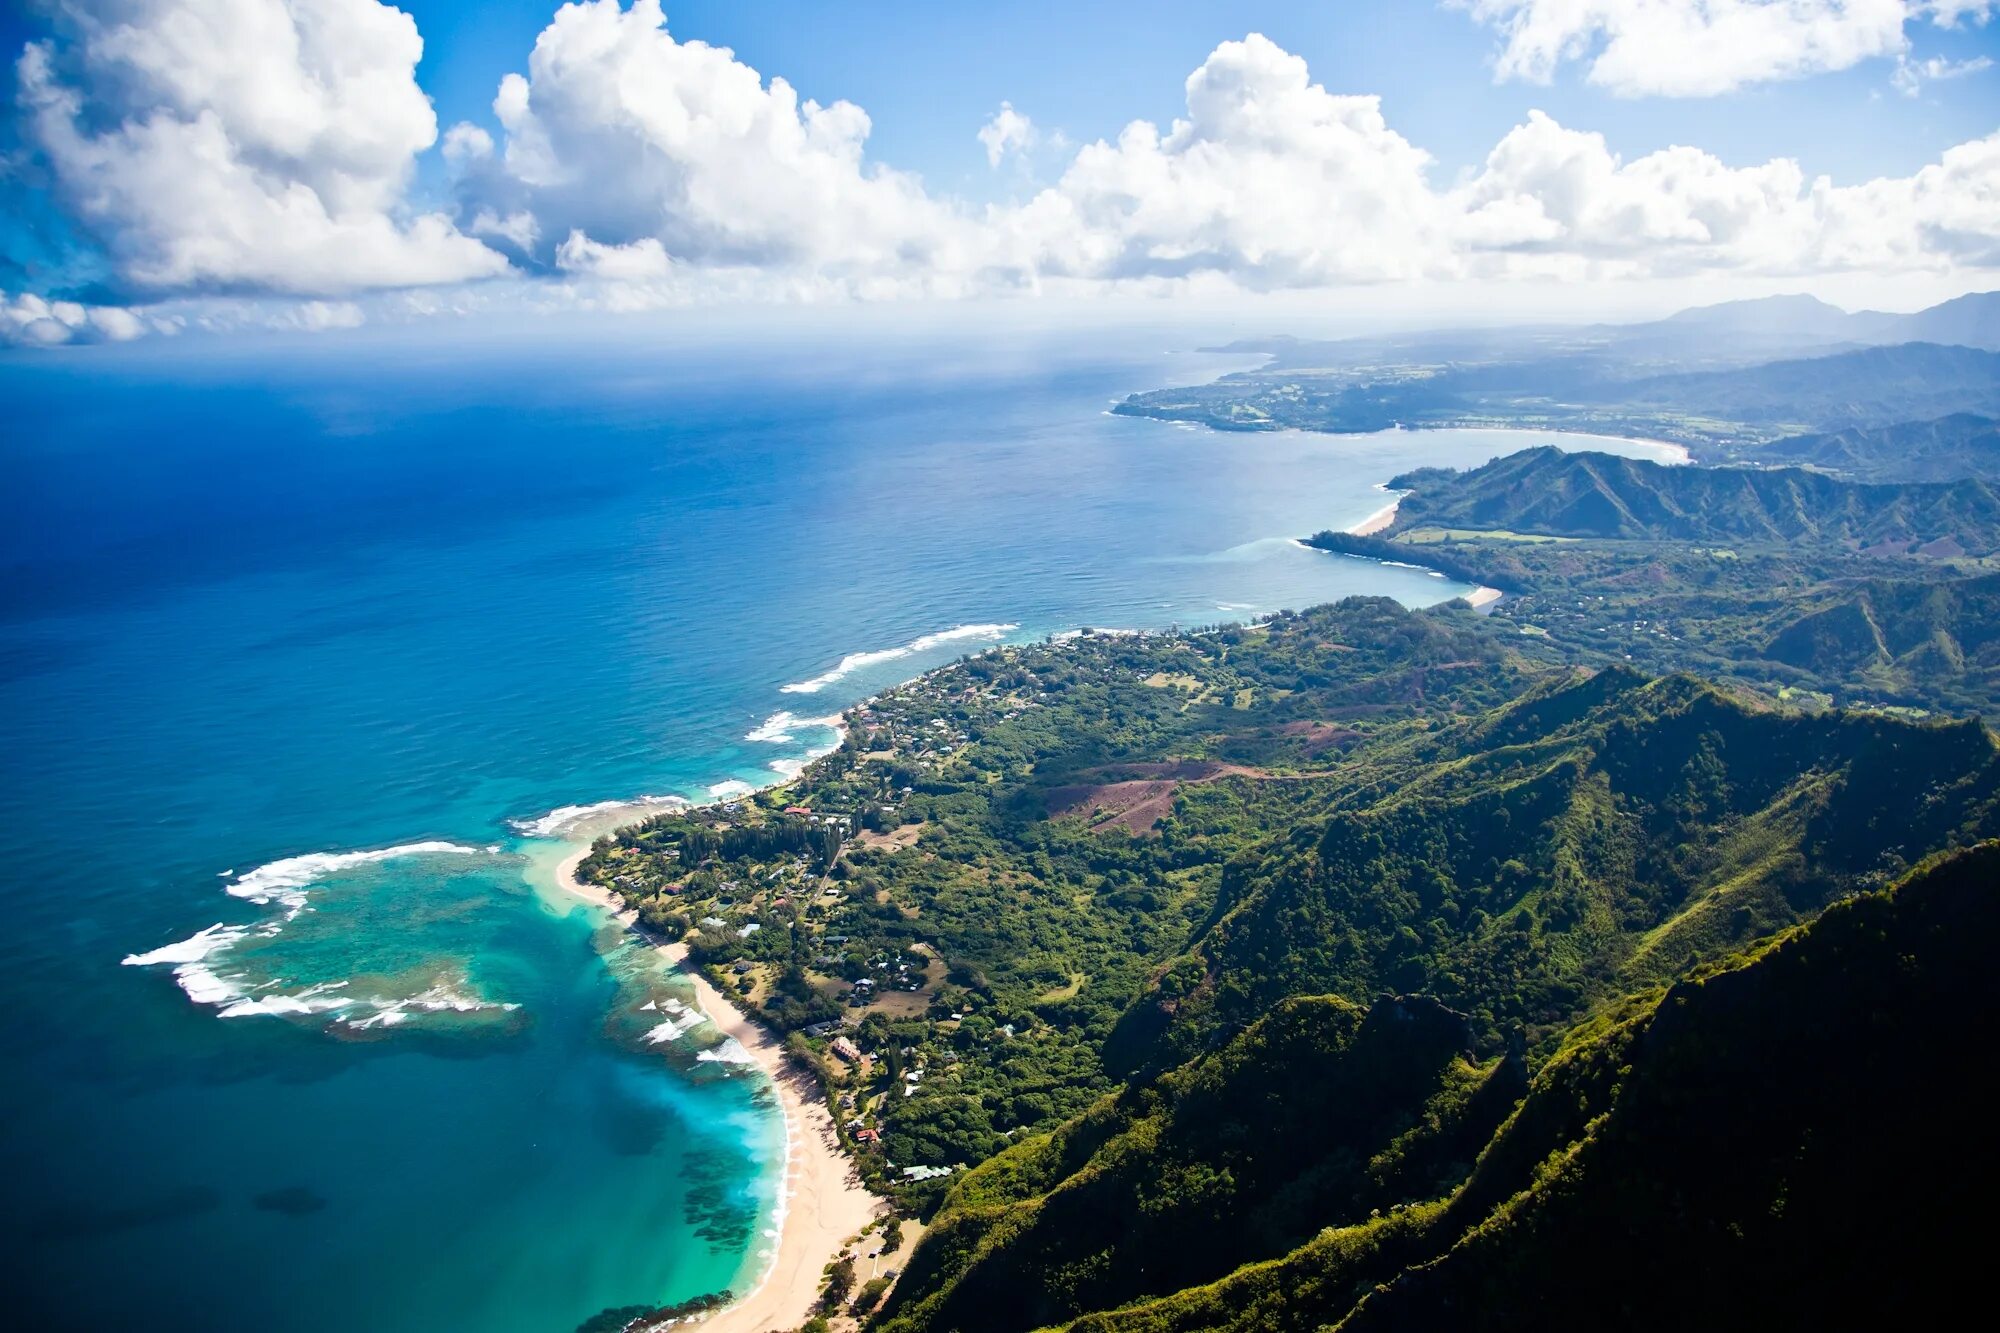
pixel 1270 179
pixel 1698 48
pixel 622 133
pixel 261 144
pixel 1911 75
pixel 466 142
pixel 1008 132
pixel 36 321
pixel 643 260
pixel 639 171
pixel 1554 200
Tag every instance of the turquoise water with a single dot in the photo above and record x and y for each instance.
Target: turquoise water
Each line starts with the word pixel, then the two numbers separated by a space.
pixel 266 609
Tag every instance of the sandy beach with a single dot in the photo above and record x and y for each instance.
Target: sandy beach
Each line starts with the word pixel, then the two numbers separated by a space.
pixel 825 1204
pixel 1378 520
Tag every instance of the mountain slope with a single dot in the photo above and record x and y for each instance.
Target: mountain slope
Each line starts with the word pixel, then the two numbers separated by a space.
pixel 1787 1140
pixel 1320 1112
pixel 1593 836
pixel 1868 386
pixel 1597 495
pixel 1947 449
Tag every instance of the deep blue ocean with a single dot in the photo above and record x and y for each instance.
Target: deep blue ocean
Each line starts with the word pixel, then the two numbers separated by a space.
pixel 265 608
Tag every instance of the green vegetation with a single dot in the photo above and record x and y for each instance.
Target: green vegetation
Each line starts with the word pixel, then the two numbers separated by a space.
pixel 1156 998
pixel 1780 1140
pixel 1963 445
pixel 1606 961
pixel 1599 495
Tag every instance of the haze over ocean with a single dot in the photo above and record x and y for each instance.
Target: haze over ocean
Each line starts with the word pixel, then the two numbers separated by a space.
pixel 260 607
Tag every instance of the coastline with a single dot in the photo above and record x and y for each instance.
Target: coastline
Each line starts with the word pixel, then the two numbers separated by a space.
pixel 822 1204
pixel 1381 518
pixel 1479 599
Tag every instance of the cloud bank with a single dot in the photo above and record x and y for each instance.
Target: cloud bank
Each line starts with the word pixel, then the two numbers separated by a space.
pixel 267 147
pixel 1699 48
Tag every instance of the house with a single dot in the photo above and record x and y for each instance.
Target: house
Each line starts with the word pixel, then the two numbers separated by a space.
pixel 846 1050
pixel 798 810
pixel 866 1136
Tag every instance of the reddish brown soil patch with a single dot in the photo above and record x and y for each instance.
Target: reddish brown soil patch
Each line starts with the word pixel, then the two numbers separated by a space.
pixel 1143 793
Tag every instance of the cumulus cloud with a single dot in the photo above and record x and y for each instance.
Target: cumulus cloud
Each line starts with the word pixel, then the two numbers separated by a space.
pixel 634 170
pixel 36 321
pixel 1698 48
pixel 1550 199
pixel 622 133
pixel 1270 179
pixel 643 260
pixel 1008 132
pixel 244 144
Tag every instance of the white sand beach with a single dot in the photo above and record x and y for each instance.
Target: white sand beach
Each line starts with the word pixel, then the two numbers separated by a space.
pixel 825 1204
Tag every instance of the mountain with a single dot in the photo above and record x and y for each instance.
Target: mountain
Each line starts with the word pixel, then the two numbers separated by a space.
pixel 1894 627
pixel 1960 445
pixel 1786 1140
pixel 1798 316
pixel 1325 1092
pixel 1867 386
pixel 1598 834
pixel 1972 320
pixel 1319 1114
pixel 1596 495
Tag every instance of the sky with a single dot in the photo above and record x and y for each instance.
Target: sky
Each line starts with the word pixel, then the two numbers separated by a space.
pixel 174 167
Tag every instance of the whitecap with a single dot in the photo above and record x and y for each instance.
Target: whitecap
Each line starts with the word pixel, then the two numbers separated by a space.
pixel 731 787
pixel 854 662
pixel 284 881
pixel 564 816
pixel 780 727
pixel 730 1052
pixel 660 1033
pixel 190 950
pixel 312 1000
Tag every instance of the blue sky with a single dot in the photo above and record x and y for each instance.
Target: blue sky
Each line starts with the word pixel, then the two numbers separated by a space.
pixel 929 74
pixel 1564 142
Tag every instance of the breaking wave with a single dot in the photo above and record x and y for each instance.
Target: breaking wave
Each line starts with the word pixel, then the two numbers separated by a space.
pixel 854 662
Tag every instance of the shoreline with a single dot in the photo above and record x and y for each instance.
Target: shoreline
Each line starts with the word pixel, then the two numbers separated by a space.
pixel 821 1202
pixel 1479 599
pixel 1381 518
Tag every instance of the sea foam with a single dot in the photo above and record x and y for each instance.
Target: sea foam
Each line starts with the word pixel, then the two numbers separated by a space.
pixel 730 1052
pixel 779 728
pixel 854 662
pixel 564 816
pixel 285 881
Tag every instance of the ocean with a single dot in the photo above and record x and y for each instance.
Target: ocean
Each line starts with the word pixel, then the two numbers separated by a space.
pixel 317 654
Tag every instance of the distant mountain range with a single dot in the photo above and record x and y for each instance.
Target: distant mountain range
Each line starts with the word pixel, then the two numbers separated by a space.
pixel 1972 320
pixel 1963 444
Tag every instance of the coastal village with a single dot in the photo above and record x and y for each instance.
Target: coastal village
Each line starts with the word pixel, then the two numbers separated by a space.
pixel 770 894
pixel 764 892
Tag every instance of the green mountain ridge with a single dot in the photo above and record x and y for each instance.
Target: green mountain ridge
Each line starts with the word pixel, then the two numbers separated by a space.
pixel 1526 865
pixel 1941 450
pixel 1547 490
pixel 1782 1140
